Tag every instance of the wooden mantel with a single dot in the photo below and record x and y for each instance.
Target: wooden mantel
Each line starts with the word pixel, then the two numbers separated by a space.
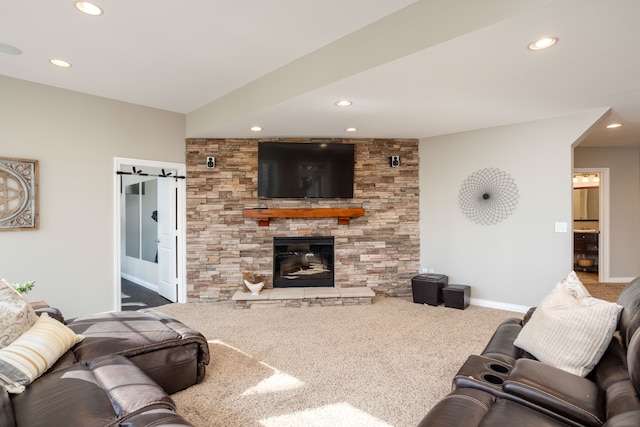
pixel 263 216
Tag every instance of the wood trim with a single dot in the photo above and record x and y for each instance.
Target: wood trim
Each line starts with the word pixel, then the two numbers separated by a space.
pixel 263 216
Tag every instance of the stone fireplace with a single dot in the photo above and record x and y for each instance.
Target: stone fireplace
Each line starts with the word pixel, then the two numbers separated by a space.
pixel 303 262
pixel 379 250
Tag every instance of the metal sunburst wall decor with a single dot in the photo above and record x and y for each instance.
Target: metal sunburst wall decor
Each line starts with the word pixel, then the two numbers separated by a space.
pixel 488 196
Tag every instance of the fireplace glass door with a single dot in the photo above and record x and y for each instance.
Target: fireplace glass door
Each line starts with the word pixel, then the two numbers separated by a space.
pixel 303 262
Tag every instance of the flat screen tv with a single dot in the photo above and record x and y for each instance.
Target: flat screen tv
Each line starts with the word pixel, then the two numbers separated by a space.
pixel 305 170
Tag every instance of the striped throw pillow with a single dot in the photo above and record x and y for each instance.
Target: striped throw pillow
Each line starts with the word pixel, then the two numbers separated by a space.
pixel 33 352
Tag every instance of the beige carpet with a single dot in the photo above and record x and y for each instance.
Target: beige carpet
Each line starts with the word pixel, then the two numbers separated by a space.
pixel 385 364
pixel 605 291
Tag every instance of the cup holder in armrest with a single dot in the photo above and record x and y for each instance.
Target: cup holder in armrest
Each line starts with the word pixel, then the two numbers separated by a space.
pixel 493 379
pixel 496 367
pixel 483 373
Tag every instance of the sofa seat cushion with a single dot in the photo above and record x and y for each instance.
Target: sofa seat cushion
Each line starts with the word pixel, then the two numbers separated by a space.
pixel 570 330
pixel 628 419
pixel 103 392
pixel 168 351
pixel 34 352
pixel 468 407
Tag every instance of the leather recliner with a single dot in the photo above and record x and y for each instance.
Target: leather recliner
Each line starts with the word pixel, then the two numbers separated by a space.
pixel 121 374
pixel 506 385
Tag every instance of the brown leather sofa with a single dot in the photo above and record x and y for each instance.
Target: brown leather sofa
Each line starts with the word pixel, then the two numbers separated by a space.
pixel 121 374
pixel 504 385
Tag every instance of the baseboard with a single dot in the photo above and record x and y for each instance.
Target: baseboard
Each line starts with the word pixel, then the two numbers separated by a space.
pixel 499 305
pixel 523 308
pixel 619 279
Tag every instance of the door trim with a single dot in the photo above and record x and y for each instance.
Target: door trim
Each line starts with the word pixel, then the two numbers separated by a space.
pixel 181 214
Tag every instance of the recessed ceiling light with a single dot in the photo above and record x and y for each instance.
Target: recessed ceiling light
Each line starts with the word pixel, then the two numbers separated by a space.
pixel 256 129
pixel 8 49
pixel 351 129
pixel 60 63
pixel 614 125
pixel 88 8
pixel 344 103
pixel 542 43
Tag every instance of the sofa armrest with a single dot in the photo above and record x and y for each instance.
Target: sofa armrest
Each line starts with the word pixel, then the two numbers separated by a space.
pixel 500 345
pixel 53 312
pixel 570 396
pixel 483 373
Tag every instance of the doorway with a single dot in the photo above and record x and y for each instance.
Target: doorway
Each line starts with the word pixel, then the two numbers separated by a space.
pixel 591 223
pixel 150 232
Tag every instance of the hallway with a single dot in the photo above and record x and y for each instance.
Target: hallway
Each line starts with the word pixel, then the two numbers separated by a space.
pixel 587 277
pixel 135 297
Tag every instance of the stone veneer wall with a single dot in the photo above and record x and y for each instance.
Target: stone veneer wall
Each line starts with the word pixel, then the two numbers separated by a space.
pixel 380 250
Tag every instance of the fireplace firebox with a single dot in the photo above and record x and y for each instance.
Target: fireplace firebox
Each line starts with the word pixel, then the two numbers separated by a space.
pixel 303 262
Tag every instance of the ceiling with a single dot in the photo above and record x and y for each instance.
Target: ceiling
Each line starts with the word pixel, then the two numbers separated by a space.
pixel 411 68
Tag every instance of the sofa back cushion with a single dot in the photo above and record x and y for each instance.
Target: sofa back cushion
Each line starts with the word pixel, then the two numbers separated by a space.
pixel 612 375
pixel 629 299
pixel 6 409
pixel 633 361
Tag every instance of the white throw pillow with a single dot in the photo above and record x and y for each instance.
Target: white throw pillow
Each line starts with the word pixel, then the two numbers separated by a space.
pixel 570 329
pixel 33 352
pixel 574 286
pixel 16 315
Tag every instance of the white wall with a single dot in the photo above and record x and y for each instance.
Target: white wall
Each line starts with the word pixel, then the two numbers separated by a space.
pixel 75 138
pixel 624 205
pixel 517 261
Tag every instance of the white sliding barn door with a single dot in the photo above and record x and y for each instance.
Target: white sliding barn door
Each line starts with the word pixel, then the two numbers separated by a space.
pixel 167 239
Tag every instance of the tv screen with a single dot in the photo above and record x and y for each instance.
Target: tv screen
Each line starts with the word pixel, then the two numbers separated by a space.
pixel 305 170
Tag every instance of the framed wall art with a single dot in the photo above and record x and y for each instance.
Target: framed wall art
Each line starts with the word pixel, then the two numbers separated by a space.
pixel 18 194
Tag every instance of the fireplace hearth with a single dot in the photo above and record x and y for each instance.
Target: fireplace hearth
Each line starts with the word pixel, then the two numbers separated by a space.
pixel 303 262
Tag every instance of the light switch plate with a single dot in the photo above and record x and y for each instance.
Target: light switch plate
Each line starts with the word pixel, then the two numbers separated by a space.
pixel 561 227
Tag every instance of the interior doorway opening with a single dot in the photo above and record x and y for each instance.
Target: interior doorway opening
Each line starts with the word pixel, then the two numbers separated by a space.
pixel 591 223
pixel 150 233
pixel 135 297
